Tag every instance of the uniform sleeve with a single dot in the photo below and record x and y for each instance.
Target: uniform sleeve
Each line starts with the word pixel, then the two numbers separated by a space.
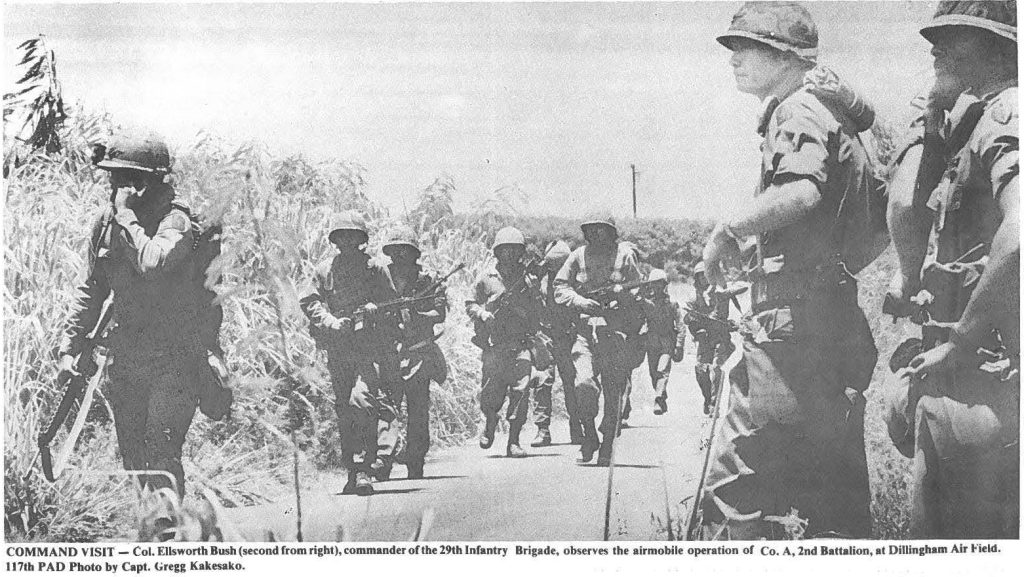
pixel 165 250
pixel 475 308
pixel 677 323
pixel 89 299
pixel 565 293
pixel 799 143
pixel 314 304
pixel 998 145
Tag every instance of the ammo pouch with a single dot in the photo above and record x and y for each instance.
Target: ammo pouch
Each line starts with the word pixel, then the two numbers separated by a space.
pixel 783 288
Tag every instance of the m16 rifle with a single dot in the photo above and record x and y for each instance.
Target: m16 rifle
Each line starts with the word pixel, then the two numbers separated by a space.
pixel 612 295
pixel 533 270
pixel 78 386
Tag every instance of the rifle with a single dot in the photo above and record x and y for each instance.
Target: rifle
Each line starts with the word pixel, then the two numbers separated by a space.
pixel 720 324
pixel 611 294
pixel 531 268
pixel 77 385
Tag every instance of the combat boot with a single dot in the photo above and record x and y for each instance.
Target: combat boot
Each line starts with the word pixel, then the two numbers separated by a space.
pixel 513 449
pixel 415 469
pixel 543 438
pixel 590 442
pixel 662 406
pixel 604 456
pixel 381 469
pixel 575 431
pixel 487 437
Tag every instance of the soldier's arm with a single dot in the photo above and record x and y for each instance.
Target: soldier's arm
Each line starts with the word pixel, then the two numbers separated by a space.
pixel 678 325
pixel 88 302
pixel 436 310
pixel 565 293
pixel 314 304
pixel 997 293
pixel 166 249
pixel 909 223
pixel 475 308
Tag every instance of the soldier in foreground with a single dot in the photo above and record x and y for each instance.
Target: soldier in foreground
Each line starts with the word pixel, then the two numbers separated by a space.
pixel 420 358
pixel 559 324
pixel 707 319
pixel 506 310
pixel 342 312
pixel 601 354
pixel 956 407
pixel 141 252
pixel 793 437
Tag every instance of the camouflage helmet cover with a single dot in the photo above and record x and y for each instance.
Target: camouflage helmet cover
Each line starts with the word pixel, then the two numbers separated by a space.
pixel 556 254
pixel 999 18
pixel 509 235
pixel 699 268
pixel 600 220
pixel 402 237
pixel 657 274
pixel 145 153
pixel 785 26
pixel 348 220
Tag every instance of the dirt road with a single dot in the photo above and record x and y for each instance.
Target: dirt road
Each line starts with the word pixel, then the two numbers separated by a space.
pixel 478 495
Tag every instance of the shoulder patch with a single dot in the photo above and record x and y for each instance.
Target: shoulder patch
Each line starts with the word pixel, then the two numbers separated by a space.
pixel 1002 111
pixel 178 219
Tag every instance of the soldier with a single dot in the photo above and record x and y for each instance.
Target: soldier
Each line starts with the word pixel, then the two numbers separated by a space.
pixel 956 408
pixel 420 359
pixel 714 344
pixel 559 324
pixel 141 249
pixel 506 314
pixel 342 312
pixel 793 436
pixel 665 339
pixel 602 352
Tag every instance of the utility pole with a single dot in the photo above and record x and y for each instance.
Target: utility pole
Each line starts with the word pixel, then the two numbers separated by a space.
pixel 632 167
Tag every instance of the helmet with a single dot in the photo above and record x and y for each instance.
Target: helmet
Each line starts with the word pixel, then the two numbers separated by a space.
pixel 601 220
pixel 349 220
pixel 146 153
pixel 556 253
pixel 785 26
pixel 657 274
pixel 699 268
pixel 402 237
pixel 509 235
pixel 999 18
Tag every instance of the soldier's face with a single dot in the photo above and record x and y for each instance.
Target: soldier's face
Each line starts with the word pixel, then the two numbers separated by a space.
pixel 348 240
pixel 135 180
pixel 509 253
pixel 757 67
pixel 403 255
pixel 599 235
pixel 963 59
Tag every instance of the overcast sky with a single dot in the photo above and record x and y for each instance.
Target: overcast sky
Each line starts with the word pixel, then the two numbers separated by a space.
pixel 558 99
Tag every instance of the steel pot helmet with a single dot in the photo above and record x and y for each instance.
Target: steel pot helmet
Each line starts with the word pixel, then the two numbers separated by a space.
pixel 556 254
pixel 144 153
pixel 509 235
pixel 601 220
pixel 785 26
pixel 999 18
pixel 402 237
pixel 657 274
pixel 699 269
pixel 349 220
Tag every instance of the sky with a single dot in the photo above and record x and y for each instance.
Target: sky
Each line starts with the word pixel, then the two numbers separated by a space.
pixel 555 99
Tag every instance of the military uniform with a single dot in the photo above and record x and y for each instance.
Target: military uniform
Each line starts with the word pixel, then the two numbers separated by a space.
pixel 604 349
pixel 663 341
pixel 420 362
pixel 512 350
pixel 157 357
pixel 356 354
pixel 962 427
pixel 714 345
pixel 559 324
pixel 793 436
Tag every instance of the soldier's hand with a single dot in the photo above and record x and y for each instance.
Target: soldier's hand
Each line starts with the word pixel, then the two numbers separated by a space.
pixel 121 197
pixel 66 365
pixel 590 307
pixel 339 324
pixel 941 359
pixel 369 309
pixel 719 248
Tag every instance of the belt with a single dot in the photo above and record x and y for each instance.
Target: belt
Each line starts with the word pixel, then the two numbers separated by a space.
pixel 788 287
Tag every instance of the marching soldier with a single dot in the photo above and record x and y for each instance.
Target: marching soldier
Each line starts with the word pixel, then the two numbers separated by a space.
pixel 141 250
pixel 793 437
pixel 665 339
pixel 420 358
pixel 956 407
pixel 559 324
pixel 602 352
pixel 714 344
pixel 342 314
pixel 506 313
